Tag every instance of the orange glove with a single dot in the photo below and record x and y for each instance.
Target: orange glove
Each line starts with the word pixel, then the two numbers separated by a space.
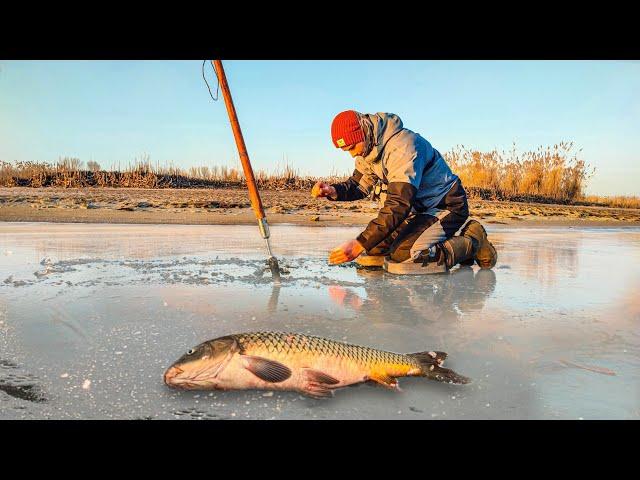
pixel 345 252
pixel 322 189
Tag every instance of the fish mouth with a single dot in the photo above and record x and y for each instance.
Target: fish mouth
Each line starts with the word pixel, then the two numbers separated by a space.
pixel 171 375
pixel 176 377
pixel 173 379
pixel 185 385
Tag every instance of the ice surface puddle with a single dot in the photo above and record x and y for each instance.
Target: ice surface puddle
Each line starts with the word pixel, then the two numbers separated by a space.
pixel 184 270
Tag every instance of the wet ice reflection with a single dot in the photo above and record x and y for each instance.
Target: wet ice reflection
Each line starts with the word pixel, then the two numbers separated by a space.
pixel 91 315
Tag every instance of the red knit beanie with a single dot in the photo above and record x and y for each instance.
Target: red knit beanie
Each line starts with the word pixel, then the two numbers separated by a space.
pixel 346 129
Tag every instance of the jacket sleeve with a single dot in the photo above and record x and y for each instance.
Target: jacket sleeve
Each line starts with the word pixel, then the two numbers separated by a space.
pixel 359 184
pixel 397 206
pixel 405 163
pixel 351 189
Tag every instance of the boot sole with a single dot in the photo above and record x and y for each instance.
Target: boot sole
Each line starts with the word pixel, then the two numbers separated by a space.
pixel 373 261
pixel 368 267
pixel 413 268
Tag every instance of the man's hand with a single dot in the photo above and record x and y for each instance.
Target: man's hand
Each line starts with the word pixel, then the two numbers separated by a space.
pixel 345 252
pixel 322 189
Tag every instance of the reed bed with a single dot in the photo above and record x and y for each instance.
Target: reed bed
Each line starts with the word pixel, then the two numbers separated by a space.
pixel 548 174
pixel 70 173
pixel 618 201
pixel 553 174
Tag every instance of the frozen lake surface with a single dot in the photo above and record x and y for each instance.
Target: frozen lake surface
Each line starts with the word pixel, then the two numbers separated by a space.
pixel 92 315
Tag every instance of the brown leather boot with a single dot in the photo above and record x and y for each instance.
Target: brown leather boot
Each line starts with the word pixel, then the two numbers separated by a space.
pixel 459 249
pixel 446 255
pixel 484 252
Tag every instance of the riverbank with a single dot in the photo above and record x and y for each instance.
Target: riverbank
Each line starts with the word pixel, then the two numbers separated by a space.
pixel 230 206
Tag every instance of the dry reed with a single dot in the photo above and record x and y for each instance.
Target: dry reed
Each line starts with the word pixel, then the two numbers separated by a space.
pixel 551 174
pixel 548 174
pixel 68 173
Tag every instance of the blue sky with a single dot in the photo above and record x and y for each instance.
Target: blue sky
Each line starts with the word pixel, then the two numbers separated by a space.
pixel 115 112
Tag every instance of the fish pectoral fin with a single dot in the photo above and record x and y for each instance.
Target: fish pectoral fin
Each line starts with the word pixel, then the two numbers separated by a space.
pixel 320 377
pixel 265 369
pixel 384 380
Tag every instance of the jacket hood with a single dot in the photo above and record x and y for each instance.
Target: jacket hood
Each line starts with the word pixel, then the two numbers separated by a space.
pixel 384 126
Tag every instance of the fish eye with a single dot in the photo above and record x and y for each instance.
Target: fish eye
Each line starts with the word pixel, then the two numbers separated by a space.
pixel 191 351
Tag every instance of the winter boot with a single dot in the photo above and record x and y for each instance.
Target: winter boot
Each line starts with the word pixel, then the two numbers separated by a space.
pixel 427 262
pixel 458 250
pixel 440 258
pixel 485 253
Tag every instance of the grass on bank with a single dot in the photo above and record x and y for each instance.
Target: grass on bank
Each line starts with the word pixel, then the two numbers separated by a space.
pixel 552 174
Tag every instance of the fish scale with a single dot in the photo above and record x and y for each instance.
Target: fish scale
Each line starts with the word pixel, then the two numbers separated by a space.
pixel 294 343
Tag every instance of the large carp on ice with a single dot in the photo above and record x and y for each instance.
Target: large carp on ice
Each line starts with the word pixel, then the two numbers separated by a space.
pixel 311 365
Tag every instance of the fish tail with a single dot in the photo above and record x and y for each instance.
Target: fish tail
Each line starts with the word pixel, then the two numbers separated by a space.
pixel 431 365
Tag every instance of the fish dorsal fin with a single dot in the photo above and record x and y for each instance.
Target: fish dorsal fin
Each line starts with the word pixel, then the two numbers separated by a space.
pixel 265 369
pixel 317 376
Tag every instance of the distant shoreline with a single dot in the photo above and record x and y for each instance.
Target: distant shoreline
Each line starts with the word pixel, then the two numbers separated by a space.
pixel 231 207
